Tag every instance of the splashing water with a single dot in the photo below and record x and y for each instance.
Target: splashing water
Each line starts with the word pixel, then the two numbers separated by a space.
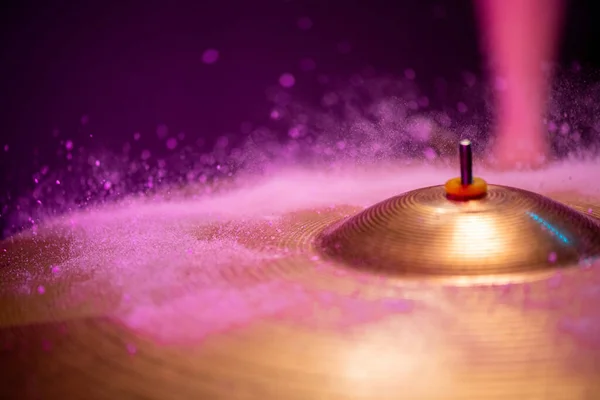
pixel 138 223
pixel 369 120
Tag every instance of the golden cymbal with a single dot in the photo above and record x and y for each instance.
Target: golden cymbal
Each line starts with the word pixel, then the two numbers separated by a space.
pixel 423 232
pixel 463 228
pixel 298 321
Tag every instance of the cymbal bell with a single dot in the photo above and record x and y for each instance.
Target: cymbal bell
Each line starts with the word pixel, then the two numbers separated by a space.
pixel 424 232
pixel 463 228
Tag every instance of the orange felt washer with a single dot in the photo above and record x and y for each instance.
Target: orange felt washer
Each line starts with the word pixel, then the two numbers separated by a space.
pixel 455 190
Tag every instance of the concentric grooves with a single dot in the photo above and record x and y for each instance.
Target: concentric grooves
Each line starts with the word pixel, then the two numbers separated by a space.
pixel 286 326
pixel 422 232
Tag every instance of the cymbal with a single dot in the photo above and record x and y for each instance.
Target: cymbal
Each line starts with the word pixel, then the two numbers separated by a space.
pixel 300 318
pixel 510 230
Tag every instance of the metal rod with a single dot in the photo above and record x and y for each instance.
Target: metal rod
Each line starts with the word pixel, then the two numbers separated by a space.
pixel 466 162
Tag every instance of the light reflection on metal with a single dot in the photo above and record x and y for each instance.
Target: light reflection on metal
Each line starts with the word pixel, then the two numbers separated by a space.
pixel 549 226
pixel 466 162
pixel 423 233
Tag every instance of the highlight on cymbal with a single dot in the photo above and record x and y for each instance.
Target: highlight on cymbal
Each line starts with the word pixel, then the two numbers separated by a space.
pixel 463 228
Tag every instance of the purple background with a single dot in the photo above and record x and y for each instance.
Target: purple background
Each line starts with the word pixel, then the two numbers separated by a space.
pixel 131 65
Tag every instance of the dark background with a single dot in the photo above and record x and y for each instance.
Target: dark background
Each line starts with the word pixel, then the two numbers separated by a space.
pixel 131 65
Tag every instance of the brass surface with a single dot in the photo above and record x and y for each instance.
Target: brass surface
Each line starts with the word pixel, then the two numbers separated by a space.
pixel 423 232
pixel 531 333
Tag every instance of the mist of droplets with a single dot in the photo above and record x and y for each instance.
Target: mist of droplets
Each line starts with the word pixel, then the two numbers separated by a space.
pixel 177 283
pixel 135 217
pixel 367 119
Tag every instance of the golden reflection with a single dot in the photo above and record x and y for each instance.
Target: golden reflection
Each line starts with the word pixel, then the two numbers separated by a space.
pixel 379 361
pixel 476 237
pixel 424 233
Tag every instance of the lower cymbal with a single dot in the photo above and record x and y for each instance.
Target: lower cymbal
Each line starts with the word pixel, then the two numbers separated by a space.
pixel 290 323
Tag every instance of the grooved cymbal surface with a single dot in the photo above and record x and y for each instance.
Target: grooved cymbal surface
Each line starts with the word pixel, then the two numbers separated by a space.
pixel 422 232
pixel 291 325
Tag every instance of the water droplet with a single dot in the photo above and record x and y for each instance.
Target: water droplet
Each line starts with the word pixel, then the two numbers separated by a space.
pixel 171 143
pixel 275 115
pixel 210 56
pixel 287 80
pixel 429 154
